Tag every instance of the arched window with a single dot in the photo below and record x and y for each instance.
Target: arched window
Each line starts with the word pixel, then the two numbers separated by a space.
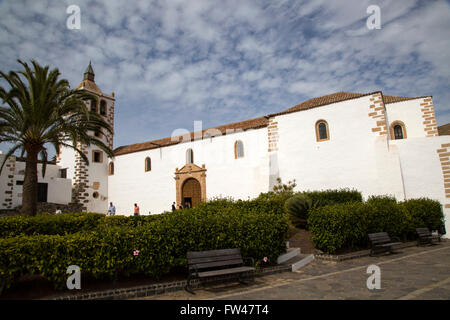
pixel 111 169
pixel 322 131
pixel 398 130
pixel 189 156
pixel 93 106
pixel 103 108
pixel 148 164
pixel 238 149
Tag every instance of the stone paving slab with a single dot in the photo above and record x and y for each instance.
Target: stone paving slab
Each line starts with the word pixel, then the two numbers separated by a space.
pixel 414 273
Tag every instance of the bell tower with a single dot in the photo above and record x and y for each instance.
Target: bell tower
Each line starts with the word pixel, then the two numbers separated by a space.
pixel 90 182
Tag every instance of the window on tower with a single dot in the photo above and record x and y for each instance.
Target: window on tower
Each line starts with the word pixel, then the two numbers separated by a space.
pixel 97 156
pixel 103 108
pixel 98 132
pixel 93 106
pixel 111 169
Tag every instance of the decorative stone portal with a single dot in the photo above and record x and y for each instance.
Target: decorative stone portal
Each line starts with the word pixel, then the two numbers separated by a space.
pixel 190 184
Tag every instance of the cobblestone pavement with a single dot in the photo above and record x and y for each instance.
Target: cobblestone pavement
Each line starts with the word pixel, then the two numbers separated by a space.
pixel 413 273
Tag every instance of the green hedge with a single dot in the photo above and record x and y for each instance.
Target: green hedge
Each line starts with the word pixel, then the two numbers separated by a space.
pixel 334 196
pixel 162 244
pixel 59 224
pixel 347 225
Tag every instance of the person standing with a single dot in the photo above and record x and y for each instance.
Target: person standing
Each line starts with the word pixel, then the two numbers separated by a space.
pixel 111 209
pixel 174 207
pixel 136 209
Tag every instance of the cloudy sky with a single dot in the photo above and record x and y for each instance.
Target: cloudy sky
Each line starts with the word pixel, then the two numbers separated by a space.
pixel 172 62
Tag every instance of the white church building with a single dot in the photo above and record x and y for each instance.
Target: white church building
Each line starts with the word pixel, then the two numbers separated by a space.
pixel 375 143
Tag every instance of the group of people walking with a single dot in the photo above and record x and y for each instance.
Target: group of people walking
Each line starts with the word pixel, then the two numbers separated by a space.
pixel 180 207
pixel 112 208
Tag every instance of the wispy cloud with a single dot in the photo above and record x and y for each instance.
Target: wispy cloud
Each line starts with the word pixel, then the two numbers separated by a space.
pixel 172 62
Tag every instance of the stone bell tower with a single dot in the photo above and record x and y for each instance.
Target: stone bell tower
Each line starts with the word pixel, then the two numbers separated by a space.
pixel 90 182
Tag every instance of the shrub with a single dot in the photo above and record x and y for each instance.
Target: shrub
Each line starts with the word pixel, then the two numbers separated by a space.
pixel 385 215
pixel 347 225
pixel 59 224
pixel 338 226
pixel 333 196
pixel 298 207
pixel 162 244
pixel 423 212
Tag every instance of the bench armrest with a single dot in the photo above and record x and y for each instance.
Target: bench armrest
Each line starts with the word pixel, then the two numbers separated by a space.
pixel 249 259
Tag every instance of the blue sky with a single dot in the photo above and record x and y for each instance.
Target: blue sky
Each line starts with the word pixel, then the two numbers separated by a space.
pixel 170 63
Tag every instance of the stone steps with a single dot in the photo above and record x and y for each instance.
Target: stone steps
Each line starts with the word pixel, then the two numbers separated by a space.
pixel 295 258
pixel 290 253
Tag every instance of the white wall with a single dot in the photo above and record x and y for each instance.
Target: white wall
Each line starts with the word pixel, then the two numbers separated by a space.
pixel 421 170
pixel 226 176
pixel 59 189
pixel 354 157
pixel 409 113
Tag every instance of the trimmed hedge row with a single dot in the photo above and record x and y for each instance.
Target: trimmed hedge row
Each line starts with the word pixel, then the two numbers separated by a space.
pixel 347 225
pixel 162 244
pixel 68 223
pixel 334 196
pixel 48 224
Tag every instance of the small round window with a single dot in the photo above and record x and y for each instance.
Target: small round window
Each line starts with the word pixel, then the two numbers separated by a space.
pixel 95 194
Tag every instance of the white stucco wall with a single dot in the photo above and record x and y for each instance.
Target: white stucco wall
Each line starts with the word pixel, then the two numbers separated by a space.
pixel 354 157
pixel 226 176
pixel 410 114
pixel 59 189
pixel 421 170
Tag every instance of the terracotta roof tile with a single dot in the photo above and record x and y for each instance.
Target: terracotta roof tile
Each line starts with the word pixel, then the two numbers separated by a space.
pixel 90 85
pixel 392 99
pixel 224 129
pixel 444 130
pixel 322 101
pixel 262 121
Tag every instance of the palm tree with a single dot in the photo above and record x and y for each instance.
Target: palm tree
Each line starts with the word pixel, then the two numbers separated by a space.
pixel 42 111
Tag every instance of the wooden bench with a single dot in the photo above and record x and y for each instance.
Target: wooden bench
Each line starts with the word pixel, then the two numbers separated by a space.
pixel 214 263
pixel 381 242
pixel 426 237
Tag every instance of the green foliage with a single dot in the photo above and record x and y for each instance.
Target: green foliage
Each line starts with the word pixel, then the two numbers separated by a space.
pixel 162 240
pixel 280 187
pixel 60 224
pixel 298 207
pixel 347 225
pixel 333 196
pixel 423 212
pixel 338 226
pixel 39 110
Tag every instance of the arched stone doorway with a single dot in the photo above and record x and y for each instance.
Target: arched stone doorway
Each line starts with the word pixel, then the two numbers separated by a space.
pixel 190 184
pixel 191 192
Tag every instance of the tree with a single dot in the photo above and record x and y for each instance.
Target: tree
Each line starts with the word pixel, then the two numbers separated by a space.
pixel 41 110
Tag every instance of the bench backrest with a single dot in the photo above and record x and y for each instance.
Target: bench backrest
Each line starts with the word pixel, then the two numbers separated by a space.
pixel 379 238
pixel 214 258
pixel 423 232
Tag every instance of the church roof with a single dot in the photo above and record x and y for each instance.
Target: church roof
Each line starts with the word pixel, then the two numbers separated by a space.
pixel 260 122
pixel 444 130
pixel 89 80
pixel 242 125
pixel 322 101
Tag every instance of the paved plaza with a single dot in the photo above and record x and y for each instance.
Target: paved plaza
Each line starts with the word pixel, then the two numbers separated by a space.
pixel 413 273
